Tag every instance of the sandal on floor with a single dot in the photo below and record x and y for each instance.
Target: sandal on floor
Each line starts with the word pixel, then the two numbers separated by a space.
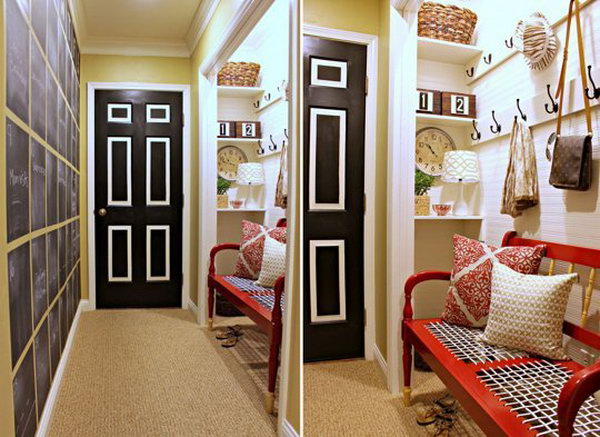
pixel 232 331
pixel 446 402
pixel 230 342
pixel 427 416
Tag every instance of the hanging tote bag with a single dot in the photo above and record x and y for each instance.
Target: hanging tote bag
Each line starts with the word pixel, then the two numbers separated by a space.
pixel 572 164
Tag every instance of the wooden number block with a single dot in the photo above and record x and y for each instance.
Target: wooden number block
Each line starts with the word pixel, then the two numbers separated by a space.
pixel 458 105
pixel 226 129
pixel 248 129
pixel 430 102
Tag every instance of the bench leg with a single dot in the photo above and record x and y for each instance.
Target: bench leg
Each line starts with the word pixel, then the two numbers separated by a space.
pixel 273 366
pixel 407 359
pixel 211 306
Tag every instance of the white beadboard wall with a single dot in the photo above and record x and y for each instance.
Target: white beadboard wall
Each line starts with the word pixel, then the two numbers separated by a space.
pixel 563 216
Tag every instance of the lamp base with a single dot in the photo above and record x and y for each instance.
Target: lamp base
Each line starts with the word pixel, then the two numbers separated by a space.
pixel 460 206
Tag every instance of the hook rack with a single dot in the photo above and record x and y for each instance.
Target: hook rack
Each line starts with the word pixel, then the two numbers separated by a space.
pixel 498 128
pixel 273 145
pixel 553 102
pixel 488 59
pixel 509 43
pixel 477 135
pixel 471 72
pixel 595 91
pixel 261 149
pixel 523 116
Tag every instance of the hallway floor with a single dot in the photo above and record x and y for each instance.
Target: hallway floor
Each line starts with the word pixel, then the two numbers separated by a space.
pixel 350 398
pixel 157 373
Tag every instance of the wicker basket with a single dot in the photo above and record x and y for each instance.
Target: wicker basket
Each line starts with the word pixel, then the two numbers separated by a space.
pixel 447 22
pixel 239 74
pixel 422 205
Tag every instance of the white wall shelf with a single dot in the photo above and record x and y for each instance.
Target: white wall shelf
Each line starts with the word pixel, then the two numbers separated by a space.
pixel 449 217
pixel 241 210
pixel 444 120
pixel 239 91
pixel 447 52
pixel 239 140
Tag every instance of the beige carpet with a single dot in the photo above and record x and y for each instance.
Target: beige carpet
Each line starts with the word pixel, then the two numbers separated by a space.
pixel 349 398
pixel 157 373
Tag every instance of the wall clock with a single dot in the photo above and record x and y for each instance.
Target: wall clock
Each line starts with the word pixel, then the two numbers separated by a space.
pixel 431 145
pixel 228 159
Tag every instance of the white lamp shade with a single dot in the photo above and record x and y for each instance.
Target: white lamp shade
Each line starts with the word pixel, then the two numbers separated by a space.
pixel 460 166
pixel 250 173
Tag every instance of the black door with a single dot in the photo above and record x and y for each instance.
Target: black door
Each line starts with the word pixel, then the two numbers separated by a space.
pixel 334 141
pixel 138 198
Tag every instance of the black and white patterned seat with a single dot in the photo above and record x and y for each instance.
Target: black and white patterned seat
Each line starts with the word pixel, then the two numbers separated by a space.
pixel 263 295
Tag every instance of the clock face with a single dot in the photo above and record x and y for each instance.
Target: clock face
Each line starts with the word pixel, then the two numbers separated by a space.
pixel 431 145
pixel 228 159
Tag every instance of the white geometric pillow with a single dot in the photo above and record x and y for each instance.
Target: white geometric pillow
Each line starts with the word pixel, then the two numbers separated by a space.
pixel 527 311
pixel 273 263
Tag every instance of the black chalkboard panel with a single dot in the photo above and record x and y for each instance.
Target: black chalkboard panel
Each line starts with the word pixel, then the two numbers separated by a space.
pixel 64 322
pixel 42 364
pixel 24 397
pixel 74 194
pixel 62 126
pixel 52 244
pixel 17 61
pixel 17 180
pixel 68 246
pixel 38 267
pixel 39 13
pixel 62 191
pixel 62 266
pixel 38 185
pixel 53 32
pixel 52 111
pixel 54 327
pixel 19 290
pixel 38 91
pixel 51 188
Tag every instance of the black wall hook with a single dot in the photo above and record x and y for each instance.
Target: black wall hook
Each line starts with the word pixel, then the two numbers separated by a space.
pixel 273 145
pixel 261 149
pixel 509 43
pixel 471 72
pixel 476 136
pixel 488 59
pixel 553 102
pixel 267 97
pixel 595 94
pixel 256 104
pixel 285 133
pixel 498 128
pixel 523 116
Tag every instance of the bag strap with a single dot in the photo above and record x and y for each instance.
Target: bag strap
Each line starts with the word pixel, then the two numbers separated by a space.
pixel 563 72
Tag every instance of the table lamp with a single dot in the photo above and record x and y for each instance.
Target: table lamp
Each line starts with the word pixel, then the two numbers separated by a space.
pixel 460 167
pixel 250 174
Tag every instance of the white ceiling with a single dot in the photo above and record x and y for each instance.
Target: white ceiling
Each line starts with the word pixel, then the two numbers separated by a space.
pixel 141 27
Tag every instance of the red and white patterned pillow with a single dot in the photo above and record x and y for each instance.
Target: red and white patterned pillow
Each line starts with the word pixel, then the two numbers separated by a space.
pixel 468 299
pixel 252 246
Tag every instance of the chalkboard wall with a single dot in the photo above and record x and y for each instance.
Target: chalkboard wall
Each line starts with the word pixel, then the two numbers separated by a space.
pixel 42 202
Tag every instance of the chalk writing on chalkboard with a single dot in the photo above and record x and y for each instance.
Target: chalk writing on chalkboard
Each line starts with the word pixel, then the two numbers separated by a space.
pixel 51 188
pixel 52 244
pixel 38 187
pixel 38 92
pixel 24 397
pixel 40 290
pixel 19 290
pixel 17 62
pixel 17 180
pixel 42 364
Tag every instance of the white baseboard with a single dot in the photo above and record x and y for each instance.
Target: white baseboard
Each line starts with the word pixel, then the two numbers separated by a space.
pixel 54 389
pixel 193 308
pixel 381 361
pixel 287 430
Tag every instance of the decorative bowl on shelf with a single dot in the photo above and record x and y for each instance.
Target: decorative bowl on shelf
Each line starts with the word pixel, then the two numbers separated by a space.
pixel 236 204
pixel 442 209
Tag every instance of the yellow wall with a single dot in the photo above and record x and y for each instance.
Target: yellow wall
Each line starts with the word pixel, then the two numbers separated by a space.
pixel 370 17
pixel 6 400
pixel 100 68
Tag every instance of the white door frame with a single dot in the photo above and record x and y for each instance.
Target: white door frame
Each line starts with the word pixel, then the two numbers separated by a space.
pixel 401 167
pixel 245 19
pixel 370 41
pixel 186 235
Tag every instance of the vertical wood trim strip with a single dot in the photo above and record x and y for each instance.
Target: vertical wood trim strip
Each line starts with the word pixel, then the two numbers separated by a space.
pixel 551 268
pixel 587 299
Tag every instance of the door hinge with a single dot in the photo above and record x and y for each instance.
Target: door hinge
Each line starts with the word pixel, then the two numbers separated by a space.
pixel 366 85
pixel 364 203
pixel 182 200
pixel 182 119
pixel 365 316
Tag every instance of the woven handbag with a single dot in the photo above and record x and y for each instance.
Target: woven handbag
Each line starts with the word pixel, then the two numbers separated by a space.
pixel 572 164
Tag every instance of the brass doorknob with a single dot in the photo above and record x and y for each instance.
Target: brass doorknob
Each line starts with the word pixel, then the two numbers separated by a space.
pixel 102 212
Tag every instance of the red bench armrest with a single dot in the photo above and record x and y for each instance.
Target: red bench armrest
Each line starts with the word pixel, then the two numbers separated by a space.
pixel 216 249
pixel 416 279
pixel 279 288
pixel 574 393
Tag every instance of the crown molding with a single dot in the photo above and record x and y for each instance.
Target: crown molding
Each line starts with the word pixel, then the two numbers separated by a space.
pixel 131 47
pixel 202 17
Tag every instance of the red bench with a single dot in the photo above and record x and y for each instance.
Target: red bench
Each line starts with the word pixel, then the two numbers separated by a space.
pixel 508 392
pixel 262 305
